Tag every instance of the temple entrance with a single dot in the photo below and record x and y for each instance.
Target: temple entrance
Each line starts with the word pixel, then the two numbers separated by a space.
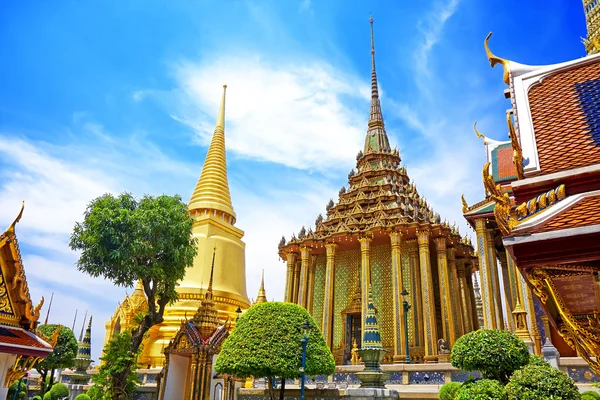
pixel 352 318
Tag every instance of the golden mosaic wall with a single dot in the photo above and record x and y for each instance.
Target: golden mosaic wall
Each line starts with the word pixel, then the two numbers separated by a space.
pixel 347 265
pixel 407 279
pixel 381 282
pixel 319 291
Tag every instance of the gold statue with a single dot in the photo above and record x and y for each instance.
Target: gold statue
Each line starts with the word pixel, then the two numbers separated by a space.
pixel 355 359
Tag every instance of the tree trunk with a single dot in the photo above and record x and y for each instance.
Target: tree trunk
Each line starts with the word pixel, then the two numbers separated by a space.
pixel 282 390
pixel 43 375
pixel 51 379
pixel 270 388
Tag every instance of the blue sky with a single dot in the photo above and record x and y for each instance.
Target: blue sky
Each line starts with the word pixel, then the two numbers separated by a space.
pixel 110 96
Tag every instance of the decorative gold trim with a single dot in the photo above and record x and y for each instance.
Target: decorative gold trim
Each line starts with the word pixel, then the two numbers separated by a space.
pixel 19 369
pixel 532 206
pixel 517 151
pixel 493 59
pixel 502 211
pixel 465 205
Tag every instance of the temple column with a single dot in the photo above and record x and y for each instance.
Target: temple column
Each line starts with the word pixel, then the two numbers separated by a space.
pixel 305 265
pixel 163 381
pixel 289 282
pixel 473 303
pixel 445 295
pixel 507 282
pixel 192 395
pixel 496 279
pixel 365 275
pixel 487 279
pixel 311 284
pixel 458 326
pixel 328 300
pixel 415 292
pixel 464 296
pixel 297 267
pixel 397 286
pixel 429 325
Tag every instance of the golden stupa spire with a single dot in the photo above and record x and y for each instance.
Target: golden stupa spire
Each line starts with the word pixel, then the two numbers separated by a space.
pixel 212 189
pixel 376 139
pixel 262 295
pixel 206 318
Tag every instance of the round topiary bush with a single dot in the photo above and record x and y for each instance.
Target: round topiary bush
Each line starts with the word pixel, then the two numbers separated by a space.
pixel 36 398
pixel 537 360
pixel 58 391
pixel 494 353
pixel 589 395
pixel 449 391
pixel 535 382
pixel 484 389
pixel 48 396
pixel 83 397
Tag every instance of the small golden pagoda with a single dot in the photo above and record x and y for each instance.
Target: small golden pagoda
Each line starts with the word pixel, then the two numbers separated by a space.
pixel 262 295
pixel 214 220
pixel 382 233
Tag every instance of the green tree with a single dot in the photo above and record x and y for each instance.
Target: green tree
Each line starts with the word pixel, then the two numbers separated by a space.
pixel 266 343
pixel 22 388
pixel 535 382
pixel 116 359
pixel 494 353
pixel 125 240
pixel 61 357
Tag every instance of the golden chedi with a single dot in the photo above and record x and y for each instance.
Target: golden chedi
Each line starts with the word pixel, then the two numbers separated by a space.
pixel 213 228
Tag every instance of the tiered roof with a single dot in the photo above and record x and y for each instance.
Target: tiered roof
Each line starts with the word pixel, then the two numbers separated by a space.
pixel 380 195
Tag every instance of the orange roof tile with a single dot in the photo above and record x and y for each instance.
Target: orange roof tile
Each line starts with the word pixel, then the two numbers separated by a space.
pixel 565 116
pixel 18 341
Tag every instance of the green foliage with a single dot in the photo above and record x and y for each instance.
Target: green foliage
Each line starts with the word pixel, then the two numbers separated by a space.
pixel 266 343
pixel 534 382
pixel 484 389
pixel 590 395
pixel 494 353
pixel 123 239
pixel 537 360
pixel 83 397
pixel 64 352
pixel 22 389
pixel 116 359
pixel 36 398
pixel 59 391
pixel 48 396
pixel 449 391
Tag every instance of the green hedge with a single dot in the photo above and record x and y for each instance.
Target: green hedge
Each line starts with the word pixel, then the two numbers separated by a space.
pixel 449 391
pixel 589 395
pixel 534 382
pixel 484 389
pixel 83 397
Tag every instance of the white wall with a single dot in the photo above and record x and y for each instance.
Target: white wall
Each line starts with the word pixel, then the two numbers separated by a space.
pixel 176 377
pixel 6 361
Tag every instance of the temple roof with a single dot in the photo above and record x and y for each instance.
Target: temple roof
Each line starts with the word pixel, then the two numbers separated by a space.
pixel 16 307
pixel 212 189
pixel 15 340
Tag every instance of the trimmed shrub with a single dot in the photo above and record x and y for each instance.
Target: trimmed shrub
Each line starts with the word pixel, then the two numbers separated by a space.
pixel 58 391
pixel 494 353
pixel 82 397
pixel 36 398
pixel 589 395
pixel 484 389
pixel 48 396
pixel 535 382
pixel 449 391
pixel 20 387
pixel 537 360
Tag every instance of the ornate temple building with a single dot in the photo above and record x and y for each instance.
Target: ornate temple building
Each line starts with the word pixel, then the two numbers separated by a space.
pixel 381 232
pixel 541 214
pixel 214 226
pixel 20 345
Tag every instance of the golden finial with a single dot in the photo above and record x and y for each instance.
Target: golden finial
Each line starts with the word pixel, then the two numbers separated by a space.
pixel 493 59
pixel 212 189
pixel 465 205
pixel 479 134
pixel 262 295
pixel 11 228
pixel 517 151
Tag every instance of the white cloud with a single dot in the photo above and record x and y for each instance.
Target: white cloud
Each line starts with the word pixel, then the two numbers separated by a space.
pixel 294 113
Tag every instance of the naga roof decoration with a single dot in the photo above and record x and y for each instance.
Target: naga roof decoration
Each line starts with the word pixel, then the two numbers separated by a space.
pixel 16 307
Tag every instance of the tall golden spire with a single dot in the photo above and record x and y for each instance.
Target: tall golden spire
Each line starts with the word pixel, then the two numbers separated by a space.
pixel 592 19
pixel 262 295
pixel 212 189
pixel 376 140
pixel 206 318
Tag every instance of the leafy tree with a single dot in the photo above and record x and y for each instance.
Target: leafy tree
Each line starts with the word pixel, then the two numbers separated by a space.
pixel 494 353
pixel 22 388
pixel 449 391
pixel 266 343
pixel 61 357
pixel 534 382
pixel 125 240
pixel 537 360
pixel 483 389
pixel 117 358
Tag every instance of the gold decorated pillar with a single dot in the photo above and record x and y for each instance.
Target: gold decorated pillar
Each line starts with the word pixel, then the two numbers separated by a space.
pixel 192 377
pixel 459 329
pixel 445 294
pixel 304 267
pixel 473 302
pixel 328 300
pixel 465 297
pixel 509 293
pixel 311 283
pixel 520 313
pixel 415 293
pixel 397 285
pixel 289 282
pixel 495 279
pixel 365 265
pixel 297 267
pixel 429 325
pixel 487 280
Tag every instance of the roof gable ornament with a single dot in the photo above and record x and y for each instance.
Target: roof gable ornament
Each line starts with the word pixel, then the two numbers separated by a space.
pixel 493 59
